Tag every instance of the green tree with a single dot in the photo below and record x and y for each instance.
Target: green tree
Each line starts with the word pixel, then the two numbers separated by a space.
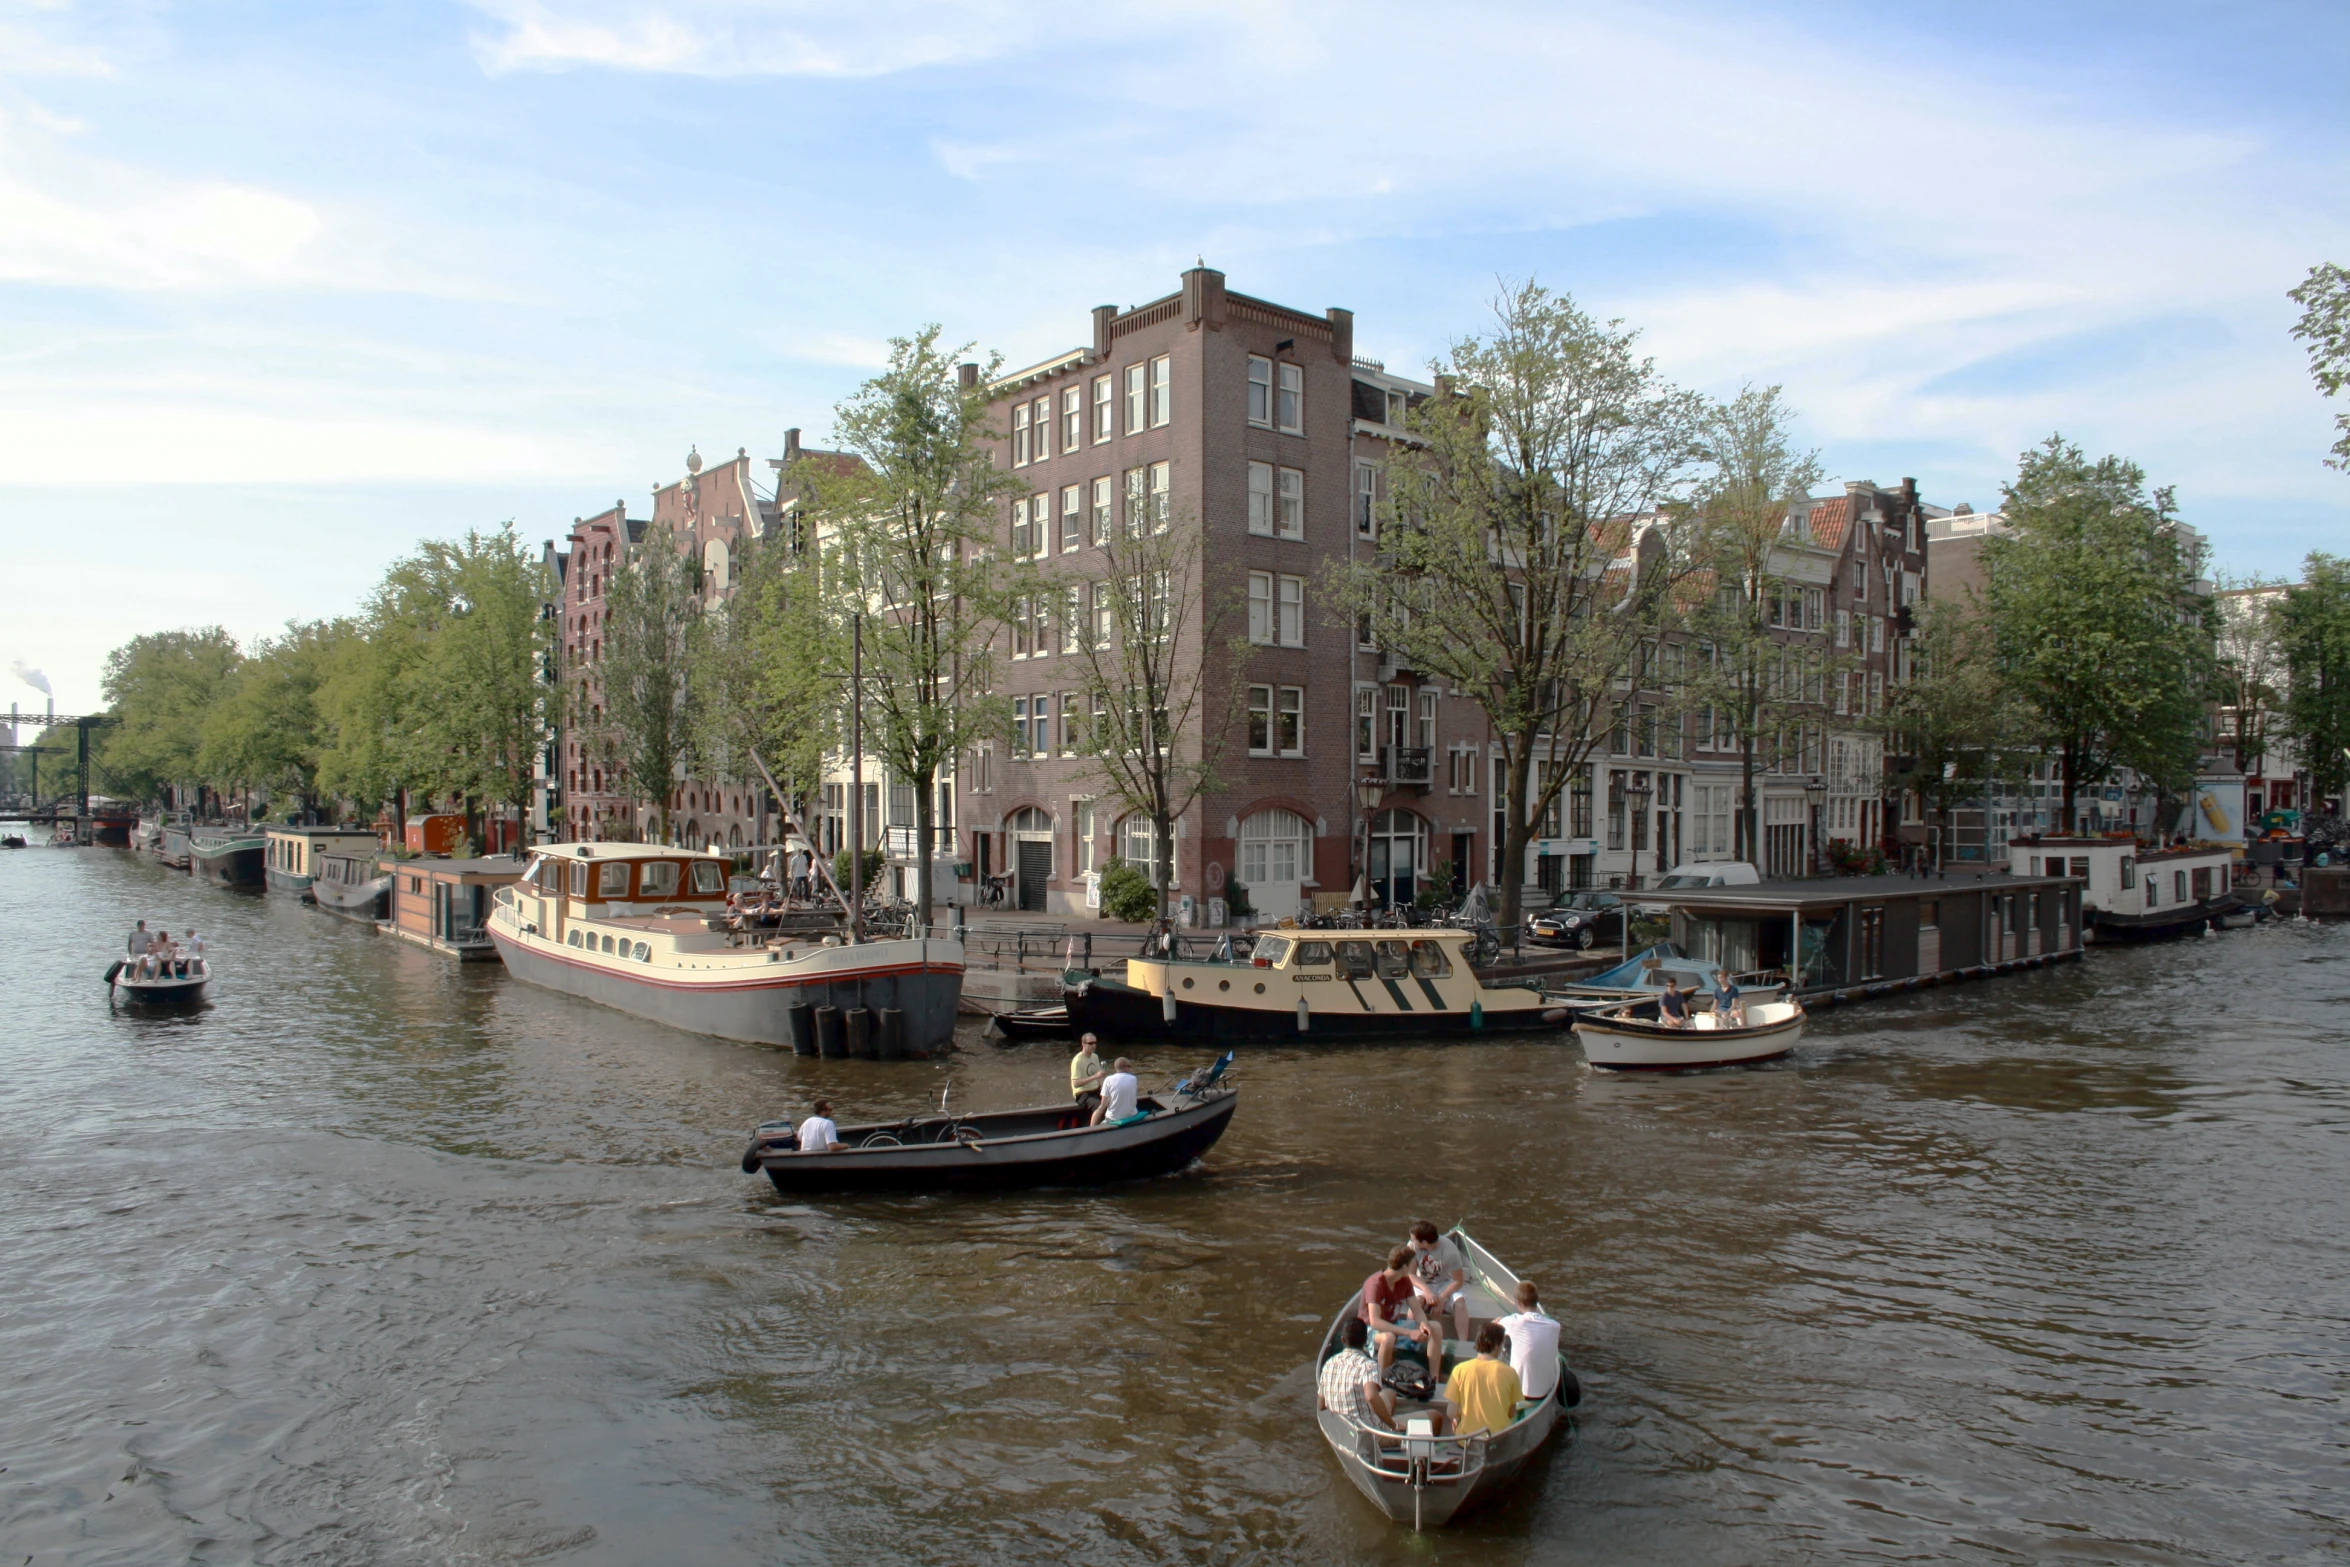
pixel 2251 663
pixel 1955 720
pixel 906 529
pixel 1151 641
pixel 2097 620
pixel 2313 632
pixel 1742 666
pixel 1508 567
pixel 162 687
pixel 2324 298
pixel 769 670
pixel 655 598
pixel 480 692
pixel 264 728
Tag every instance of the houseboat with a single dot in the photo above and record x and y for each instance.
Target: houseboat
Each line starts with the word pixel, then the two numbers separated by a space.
pixel 643 928
pixel 1843 938
pixel 445 904
pixel 227 856
pixel 290 862
pixel 2134 894
pixel 1311 985
pixel 352 885
pixel 172 847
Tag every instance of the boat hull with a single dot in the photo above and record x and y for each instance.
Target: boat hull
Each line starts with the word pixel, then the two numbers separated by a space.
pixel 285 881
pixel 238 864
pixel 159 993
pixel 367 901
pixel 1631 1044
pixel 1080 1156
pixel 1119 1011
pixel 2184 919
pixel 910 976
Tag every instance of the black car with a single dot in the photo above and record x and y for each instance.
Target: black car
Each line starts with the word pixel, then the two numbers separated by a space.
pixel 1578 919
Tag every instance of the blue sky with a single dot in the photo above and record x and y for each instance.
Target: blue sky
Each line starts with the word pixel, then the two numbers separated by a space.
pixel 285 288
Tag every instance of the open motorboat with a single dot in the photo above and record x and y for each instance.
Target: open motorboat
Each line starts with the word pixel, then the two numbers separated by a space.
pixel 1632 1035
pixel 1413 1475
pixel 1046 1145
pixel 124 983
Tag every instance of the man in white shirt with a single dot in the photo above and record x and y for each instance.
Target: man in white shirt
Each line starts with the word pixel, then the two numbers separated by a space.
pixel 1534 1343
pixel 195 953
pixel 1119 1092
pixel 817 1133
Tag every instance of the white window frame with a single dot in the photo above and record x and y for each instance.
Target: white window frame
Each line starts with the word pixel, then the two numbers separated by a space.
pixel 1428 719
pixel 1020 435
pixel 1260 391
pixel 1081 825
pixel 1162 391
pixel 1260 608
pixel 1289 398
pixel 1367 500
pixel 1260 498
pixel 1137 390
pixel 1105 409
pixel 1366 739
pixel 1289 503
pixel 1019 727
pixel 1289 711
pixel 1072 418
pixel 1044 427
pixel 1105 507
pixel 1260 720
pixel 1072 517
pixel 1162 496
pixel 1289 604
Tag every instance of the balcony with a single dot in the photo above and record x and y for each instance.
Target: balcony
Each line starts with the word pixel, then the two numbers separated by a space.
pixel 1407 766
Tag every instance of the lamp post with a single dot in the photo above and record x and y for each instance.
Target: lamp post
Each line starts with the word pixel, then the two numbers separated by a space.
pixel 1636 799
pixel 1369 789
pixel 1815 795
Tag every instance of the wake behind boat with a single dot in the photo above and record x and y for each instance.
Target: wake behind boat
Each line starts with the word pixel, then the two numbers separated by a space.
pixel 1044 1145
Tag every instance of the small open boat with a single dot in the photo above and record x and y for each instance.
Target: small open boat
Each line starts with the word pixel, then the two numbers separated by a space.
pixel 186 988
pixel 1634 1036
pixel 1412 1475
pixel 1047 1145
pixel 1035 1023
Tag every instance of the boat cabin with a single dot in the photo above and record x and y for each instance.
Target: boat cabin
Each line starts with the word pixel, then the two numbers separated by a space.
pixel 1864 935
pixel 630 899
pixel 443 904
pixel 2119 878
pixel 290 861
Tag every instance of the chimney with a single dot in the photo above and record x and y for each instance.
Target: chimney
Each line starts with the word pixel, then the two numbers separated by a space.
pixel 1342 335
pixel 966 377
pixel 1203 298
pixel 791 449
pixel 1103 315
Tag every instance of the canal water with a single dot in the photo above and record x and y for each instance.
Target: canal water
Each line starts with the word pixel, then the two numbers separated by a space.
pixel 386 1260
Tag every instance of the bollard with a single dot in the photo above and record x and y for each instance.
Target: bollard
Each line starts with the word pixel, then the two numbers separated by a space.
pixel 800 1022
pixel 858 1026
pixel 889 1037
pixel 831 1043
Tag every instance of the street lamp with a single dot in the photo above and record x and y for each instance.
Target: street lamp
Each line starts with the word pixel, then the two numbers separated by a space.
pixel 1370 788
pixel 1637 797
pixel 1815 794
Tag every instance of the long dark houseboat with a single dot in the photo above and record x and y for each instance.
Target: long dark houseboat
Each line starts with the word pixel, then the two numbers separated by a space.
pixel 227 856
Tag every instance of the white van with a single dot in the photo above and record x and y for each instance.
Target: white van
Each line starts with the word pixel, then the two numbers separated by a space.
pixel 1711 873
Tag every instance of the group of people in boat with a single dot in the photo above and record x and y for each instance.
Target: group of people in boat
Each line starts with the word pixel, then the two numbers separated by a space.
pixel 1408 1304
pixel 1672 1003
pixel 1110 1092
pixel 153 954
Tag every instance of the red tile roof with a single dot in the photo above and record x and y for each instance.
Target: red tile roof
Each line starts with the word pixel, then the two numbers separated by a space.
pixel 1829 520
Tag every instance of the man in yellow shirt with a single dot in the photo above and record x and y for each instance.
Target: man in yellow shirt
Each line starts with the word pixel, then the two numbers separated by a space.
pixel 1085 1069
pixel 1483 1392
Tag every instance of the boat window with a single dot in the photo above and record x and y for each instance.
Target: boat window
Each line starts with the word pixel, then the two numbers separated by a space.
pixel 709 876
pixel 1270 950
pixel 572 940
pixel 644 953
pixel 2129 873
pixel 1429 961
pixel 1395 959
pixel 657 880
pixel 578 879
pixel 607 944
pixel 1316 953
pixel 1354 959
pixel 612 879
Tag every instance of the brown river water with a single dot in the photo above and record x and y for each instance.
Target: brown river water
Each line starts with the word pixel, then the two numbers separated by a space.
pixel 384 1260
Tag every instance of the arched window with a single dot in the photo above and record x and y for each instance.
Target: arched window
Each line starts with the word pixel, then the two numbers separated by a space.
pixel 734 837
pixel 1275 846
pixel 715 567
pixel 1138 845
pixel 1029 819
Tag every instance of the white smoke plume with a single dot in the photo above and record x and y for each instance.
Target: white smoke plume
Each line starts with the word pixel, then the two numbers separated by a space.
pixel 33 677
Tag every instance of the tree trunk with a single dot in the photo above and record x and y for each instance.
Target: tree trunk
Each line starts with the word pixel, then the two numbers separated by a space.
pixel 1520 832
pixel 925 825
pixel 1163 839
pixel 2072 769
pixel 1749 827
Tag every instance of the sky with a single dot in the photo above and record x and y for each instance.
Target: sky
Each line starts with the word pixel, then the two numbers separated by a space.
pixel 286 288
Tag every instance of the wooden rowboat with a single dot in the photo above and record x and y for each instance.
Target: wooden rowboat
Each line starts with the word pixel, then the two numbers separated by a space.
pixel 1633 1037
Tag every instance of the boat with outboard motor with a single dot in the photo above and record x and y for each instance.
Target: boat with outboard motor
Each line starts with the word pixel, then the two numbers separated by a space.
pixel 1410 1473
pixel 645 928
pixel 182 985
pixel 1309 984
pixel 1043 1145
pixel 1634 1035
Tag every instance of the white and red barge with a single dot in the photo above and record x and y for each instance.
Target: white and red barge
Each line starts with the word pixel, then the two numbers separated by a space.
pixel 642 928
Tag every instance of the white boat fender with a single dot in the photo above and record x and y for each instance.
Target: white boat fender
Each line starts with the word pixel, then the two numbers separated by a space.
pixel 1557 1015
pixel 1304 1018
pixel 1167 1005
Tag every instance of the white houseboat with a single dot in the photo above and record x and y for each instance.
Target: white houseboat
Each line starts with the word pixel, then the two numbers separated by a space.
pixel 2128 894
pixel 643 928
pixel 290 862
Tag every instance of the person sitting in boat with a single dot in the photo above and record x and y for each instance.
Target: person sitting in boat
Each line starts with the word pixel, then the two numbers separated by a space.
pixel 1444 1273
pixel 162 955
pixel 817 1134
pixel 1672 1005
pixel 1086 1071
pixel 1483 1393
pixel 1729 1001
pixel 1350 1386
pixel 1392 1310
pixel 1534 1343
pixel 1119 1092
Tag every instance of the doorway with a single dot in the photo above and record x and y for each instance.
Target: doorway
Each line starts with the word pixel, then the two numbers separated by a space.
pixel 1399 857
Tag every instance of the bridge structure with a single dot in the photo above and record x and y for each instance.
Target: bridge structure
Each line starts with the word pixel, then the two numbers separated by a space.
pixel 56 813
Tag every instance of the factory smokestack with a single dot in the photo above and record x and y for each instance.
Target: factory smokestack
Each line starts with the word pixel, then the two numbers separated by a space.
pixel 34 678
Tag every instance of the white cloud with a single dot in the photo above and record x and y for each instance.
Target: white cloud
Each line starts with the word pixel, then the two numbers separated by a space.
pixel 31 43
pixel 745 37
